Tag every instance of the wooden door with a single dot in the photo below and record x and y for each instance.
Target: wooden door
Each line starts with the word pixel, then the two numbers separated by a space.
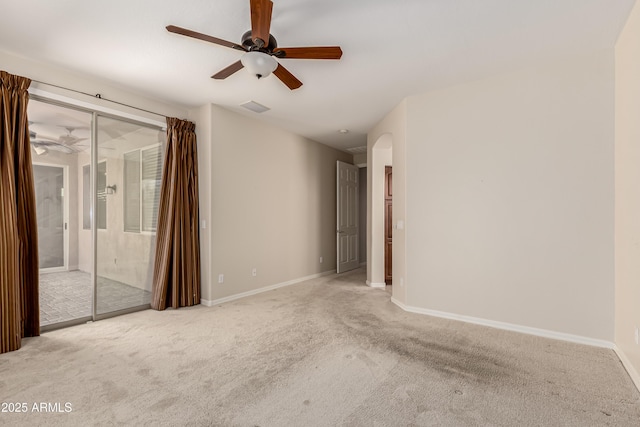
pixel 388 224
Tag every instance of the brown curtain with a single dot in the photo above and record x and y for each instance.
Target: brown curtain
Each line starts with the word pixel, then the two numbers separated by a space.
pixel 19 274
pixel 176 275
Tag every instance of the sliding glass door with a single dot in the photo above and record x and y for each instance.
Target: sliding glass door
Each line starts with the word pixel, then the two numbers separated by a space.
pixel 97 180
pixel 129 158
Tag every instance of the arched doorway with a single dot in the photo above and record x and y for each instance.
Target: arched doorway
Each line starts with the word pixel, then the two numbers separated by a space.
pixel 381 156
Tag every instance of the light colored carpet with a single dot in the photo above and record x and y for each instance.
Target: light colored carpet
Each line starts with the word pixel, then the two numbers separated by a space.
pixel 321 353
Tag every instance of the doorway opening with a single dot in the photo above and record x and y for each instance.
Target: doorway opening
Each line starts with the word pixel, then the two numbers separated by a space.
pixel 388 226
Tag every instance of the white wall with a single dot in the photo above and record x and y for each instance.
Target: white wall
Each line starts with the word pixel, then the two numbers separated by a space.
pixel 273 203
pixel 510 196
pixel 627 188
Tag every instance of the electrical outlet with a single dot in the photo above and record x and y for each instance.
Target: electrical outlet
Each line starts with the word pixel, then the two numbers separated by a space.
pixel 321 260
pixel 220 278
pixel 254 272
pixel 637 336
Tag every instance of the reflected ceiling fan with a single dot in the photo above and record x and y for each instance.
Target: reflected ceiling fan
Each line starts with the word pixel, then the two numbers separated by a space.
pixel 260 48
pixel 69 138
pixel 43 145
pixel 66 143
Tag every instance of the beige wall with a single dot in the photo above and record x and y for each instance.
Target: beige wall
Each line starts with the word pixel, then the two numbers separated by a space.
pixel 203 119
pixel 381 156
pixel 627 188
pixel 510 196
pixel 362 214
pixel 386 144
pixel 360 159
pixel 272 203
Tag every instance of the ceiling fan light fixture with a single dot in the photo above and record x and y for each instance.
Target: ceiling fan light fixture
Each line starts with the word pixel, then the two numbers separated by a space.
pixel 258 63
pixel 40 150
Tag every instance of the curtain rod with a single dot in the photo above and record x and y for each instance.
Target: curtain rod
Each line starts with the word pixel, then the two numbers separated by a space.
pixel 99 96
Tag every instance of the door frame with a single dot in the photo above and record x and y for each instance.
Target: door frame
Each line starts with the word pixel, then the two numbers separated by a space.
pixel 65 215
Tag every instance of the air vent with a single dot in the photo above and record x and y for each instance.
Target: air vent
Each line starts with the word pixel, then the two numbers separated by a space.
pixel 357 150
pixel 255 107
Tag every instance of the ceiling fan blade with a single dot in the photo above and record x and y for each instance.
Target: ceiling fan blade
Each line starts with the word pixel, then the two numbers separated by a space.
pixel 200 36
pixel 53 146
pixel 47 138
pixel 287 78
pixel 317 52
pixel 261 21
pixel 72 141
pixel 223 74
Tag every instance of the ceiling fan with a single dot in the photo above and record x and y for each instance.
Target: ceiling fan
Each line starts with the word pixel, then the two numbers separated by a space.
pixel 43 145
pixel 69 138
pixel 67 144
pixel 260 48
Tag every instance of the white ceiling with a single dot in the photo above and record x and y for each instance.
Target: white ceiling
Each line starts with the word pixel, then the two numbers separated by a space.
pixel 392 49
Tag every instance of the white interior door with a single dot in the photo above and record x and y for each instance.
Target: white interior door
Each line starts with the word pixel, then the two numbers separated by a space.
pixel 347 217
pixel 51 210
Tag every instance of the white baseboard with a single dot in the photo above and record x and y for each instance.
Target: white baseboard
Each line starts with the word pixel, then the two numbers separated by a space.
pixel 211 303
pixel 508 326
pixel 635 377
pixel 375 285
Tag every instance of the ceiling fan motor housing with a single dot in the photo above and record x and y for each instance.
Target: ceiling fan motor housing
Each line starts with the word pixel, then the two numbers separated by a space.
pixel 250 45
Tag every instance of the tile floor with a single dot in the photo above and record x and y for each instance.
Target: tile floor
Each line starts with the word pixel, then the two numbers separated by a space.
pixel 67 296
